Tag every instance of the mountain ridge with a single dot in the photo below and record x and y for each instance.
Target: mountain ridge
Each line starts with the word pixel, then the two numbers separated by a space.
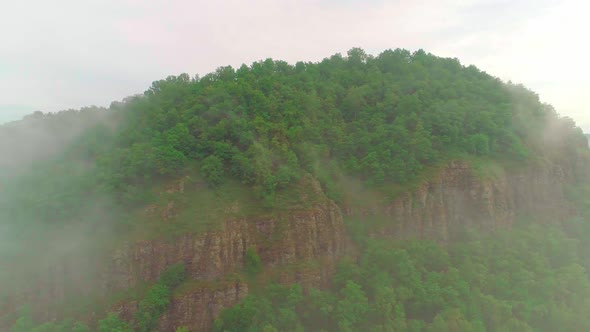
pixel 422 143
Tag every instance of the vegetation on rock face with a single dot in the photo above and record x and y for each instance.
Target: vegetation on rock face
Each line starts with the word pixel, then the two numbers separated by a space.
pixel 380 120
pixel 253 263
pixel 112 323
pixel 157 299
pixel 529 278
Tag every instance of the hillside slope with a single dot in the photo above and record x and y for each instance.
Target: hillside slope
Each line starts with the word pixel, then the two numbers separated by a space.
pixel 263 166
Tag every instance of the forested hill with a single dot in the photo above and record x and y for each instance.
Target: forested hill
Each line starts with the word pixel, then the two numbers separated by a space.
pixel 72 183
pixel 381 119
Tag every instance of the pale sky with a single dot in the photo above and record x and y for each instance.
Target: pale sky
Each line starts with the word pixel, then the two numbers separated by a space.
pixel 64 54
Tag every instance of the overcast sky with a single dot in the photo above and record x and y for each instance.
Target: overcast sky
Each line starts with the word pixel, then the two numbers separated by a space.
pixel 64 54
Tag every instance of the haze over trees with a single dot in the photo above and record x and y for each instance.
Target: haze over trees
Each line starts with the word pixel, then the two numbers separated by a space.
pixel 381 120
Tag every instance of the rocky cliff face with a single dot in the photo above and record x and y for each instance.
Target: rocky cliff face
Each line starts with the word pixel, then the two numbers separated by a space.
pixel 313 234
pixel 305 235
pixel 459 198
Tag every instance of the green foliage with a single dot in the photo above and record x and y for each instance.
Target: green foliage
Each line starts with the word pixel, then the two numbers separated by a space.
pixel 24 323
pixel 212 169
pixel 112 323
pixel 154 304
pixel 168 160
pixel 157 299
pixel 529 278
pixel 275 311
pixel 352 307
pixel 238 318
pixel 253 263
pixel 479 144
pixel 173 276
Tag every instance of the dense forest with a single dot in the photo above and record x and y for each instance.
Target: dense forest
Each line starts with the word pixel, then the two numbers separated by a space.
pixel 381 120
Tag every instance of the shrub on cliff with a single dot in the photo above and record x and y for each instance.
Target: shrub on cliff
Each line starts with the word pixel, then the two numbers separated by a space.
pixel 157 299
pixel 153 305
pixel 112 323
pixel 173 276
pixel 253 262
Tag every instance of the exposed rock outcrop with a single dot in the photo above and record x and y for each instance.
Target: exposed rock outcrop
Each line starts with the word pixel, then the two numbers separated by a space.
pixel 458 198
pixel 310 234
pixel 313 234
